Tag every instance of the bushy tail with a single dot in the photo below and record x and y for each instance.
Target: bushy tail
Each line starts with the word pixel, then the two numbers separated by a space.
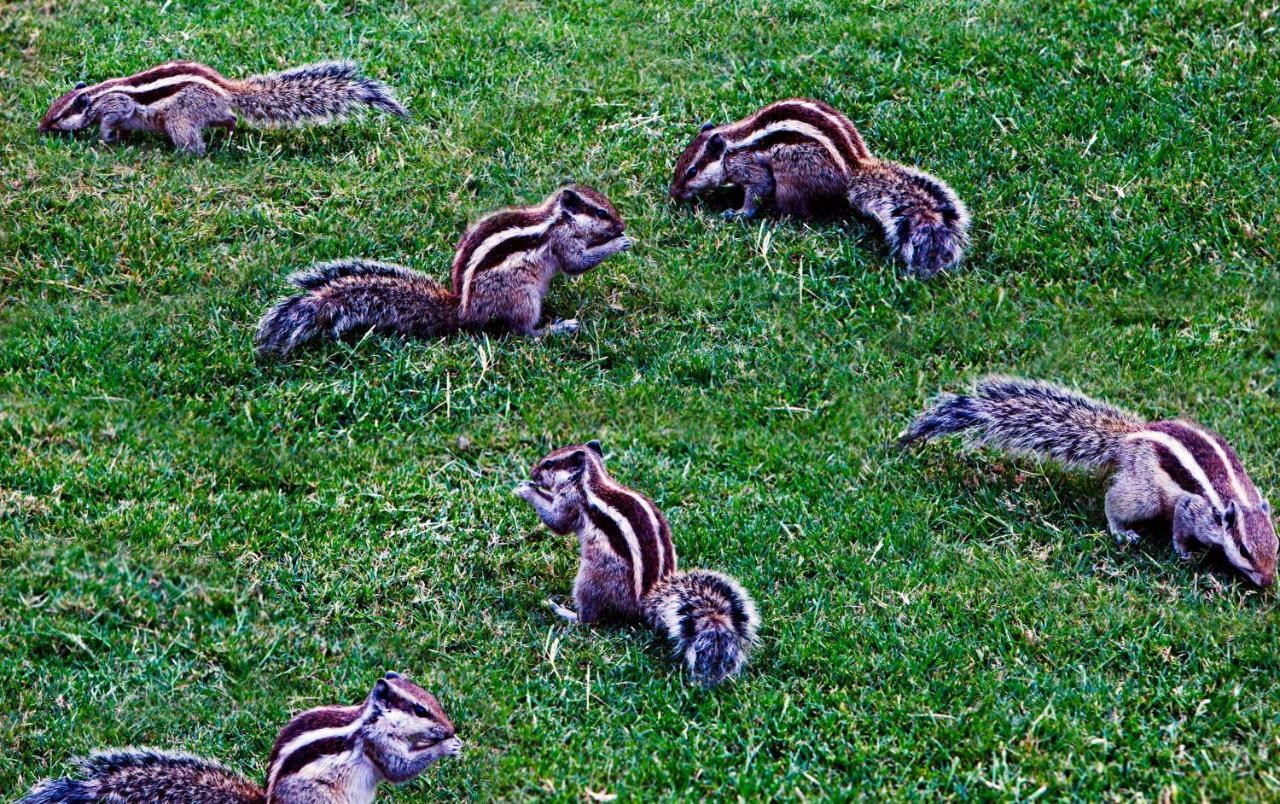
pixel 925 223
pixel 147 776
pixel 315 93
pixel 351 297
pixel 709 620
pixel 1024 416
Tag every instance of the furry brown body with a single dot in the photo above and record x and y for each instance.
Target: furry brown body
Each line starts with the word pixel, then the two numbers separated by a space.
pixel 180 99
pixel 803 158
pixel 502 270
pixel 627 565
pixel 329 755
pixel 1175 476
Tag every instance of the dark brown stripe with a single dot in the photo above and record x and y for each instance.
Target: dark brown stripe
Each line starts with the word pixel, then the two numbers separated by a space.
pixel 1246 482
pixel 781 138
pixel 646 539
pixel 1176 471
pixel 605 524
pixel 159 93
pixel 668 547
pixel 855 136
pixel 325 717
pixel 1203 453
pixel 310 753
pixel 783 111
pixel 512 245
pixel 160 71
pixel 486 228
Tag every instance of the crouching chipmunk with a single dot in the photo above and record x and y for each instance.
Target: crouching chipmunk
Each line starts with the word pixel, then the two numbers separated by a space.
pixel 804 158
pixel 180 99
pixel 328 755
pixel 502 269
pixel 1175 475
pixel 627 566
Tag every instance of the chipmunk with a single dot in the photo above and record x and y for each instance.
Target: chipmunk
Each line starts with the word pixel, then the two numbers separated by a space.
pixel 804 158
pixel 182 98
pixel 502 269
pixel 627 567
pixel 1174 474
pixel 328 755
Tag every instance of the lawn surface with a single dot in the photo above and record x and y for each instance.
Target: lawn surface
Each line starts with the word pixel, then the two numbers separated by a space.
pixel 195 545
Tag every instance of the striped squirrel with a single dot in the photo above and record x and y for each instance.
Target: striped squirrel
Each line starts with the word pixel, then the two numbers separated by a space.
pixel 328 755
pixel 627 566
pixel 804 158
pixel 1173 474
pixel 181 98
pixel 502 269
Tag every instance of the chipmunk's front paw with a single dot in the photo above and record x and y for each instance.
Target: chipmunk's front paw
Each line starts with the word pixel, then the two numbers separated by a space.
pixel 526 490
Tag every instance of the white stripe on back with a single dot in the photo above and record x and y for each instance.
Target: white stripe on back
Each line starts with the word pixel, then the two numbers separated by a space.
pixel 1236 485
pixel 491 242
pixel 1185 458
pixel 796 127
pixel 841 124
pixel 308 737
pixel 181 78
pixel 651 512
pixel 633 544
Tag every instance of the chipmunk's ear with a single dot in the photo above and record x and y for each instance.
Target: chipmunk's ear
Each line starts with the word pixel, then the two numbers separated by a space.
pixel 707 126
pixel 391 674
pixel 382 690
pixel 595 447
pixel 1266 507
pixel 715 145
pixel 1229 515
pixel 81 84
pixel 571 201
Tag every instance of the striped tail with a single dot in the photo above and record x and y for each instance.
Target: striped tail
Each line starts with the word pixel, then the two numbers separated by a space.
pixel 316 93
pixel 925 223
pixel 1028 417
pixel 350 297
pixel 709 620
pixel 147 776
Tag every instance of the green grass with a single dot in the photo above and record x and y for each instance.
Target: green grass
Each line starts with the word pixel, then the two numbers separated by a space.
pixel 195 545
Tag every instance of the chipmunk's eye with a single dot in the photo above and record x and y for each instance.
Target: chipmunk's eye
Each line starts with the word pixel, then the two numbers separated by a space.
pixel 602 214
pixel 691 172
pixel 420 710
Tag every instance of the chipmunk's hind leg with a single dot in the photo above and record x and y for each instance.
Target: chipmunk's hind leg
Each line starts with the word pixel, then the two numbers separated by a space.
pixel 1131 500
pixel 807 183
pixel 185 135
pixel 190 111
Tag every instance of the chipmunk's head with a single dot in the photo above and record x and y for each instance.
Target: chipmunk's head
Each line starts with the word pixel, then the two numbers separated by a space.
pixel 71 112
pixel 407 730
pixel 701 166
pixel 1249 540
pixel 568 466
pixel 586 215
